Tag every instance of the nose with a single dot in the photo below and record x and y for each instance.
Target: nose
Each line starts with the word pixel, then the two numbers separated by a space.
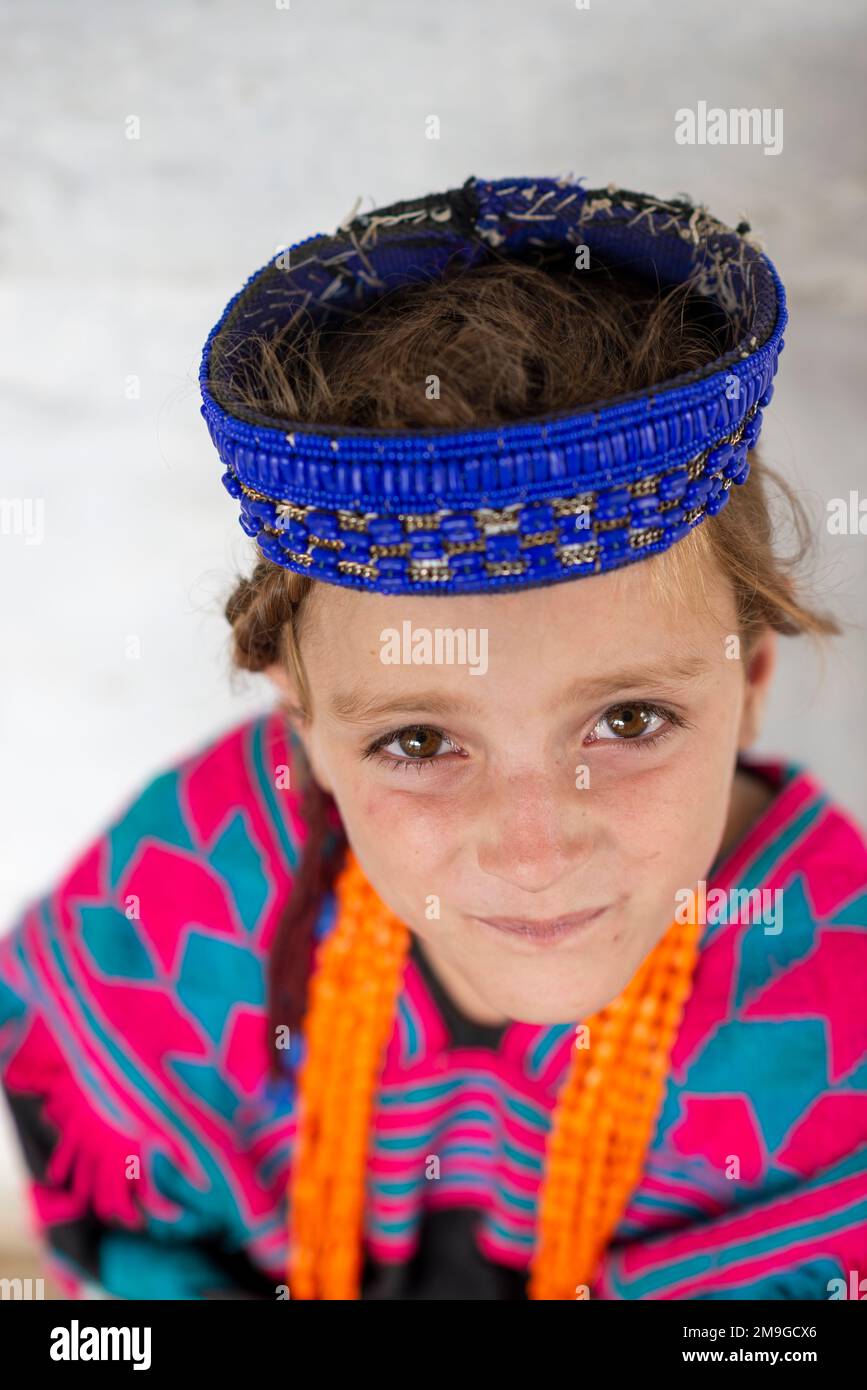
pixel 533 834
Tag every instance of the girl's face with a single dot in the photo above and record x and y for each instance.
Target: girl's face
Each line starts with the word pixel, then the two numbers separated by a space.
pixel 575 771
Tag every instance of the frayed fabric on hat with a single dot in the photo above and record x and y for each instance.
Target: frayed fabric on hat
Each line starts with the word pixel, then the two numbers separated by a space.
pixel 516 505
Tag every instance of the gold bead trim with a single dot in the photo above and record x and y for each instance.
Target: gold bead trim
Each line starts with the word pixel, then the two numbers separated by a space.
pixel 494 521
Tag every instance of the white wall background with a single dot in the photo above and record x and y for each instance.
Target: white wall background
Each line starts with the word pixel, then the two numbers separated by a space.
pixel 261 125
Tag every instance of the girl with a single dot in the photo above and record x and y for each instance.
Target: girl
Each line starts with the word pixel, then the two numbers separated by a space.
pixel 486 964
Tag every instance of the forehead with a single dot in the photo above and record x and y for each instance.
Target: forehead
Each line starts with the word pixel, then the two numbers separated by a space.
pixel 650 610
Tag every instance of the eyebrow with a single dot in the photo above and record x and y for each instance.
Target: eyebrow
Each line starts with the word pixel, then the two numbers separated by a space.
pixel 357 705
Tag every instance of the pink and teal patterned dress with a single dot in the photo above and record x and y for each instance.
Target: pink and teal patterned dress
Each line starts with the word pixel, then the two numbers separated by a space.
pixel 133 1055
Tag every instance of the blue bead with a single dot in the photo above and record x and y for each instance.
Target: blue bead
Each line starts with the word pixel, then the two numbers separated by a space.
pixel 356 546
pixel 263 510
pixel 648 439
pixel 736 462
pixel 325 561
pixel 673 517
pixel 541 558
pixel 470 564
pixel 296 532
pixel 489 474
pixel 766 398
pixel 391 565
pixel 502 548
pixel 535 519
pixel 573 529
pixel 250 525
pixel 611 506
pixel 424 546
pixel 606 456
pixel 696 492
pixel 677 533
pixel 644 504
pixel 556 463
pixel 753 429
pixel 673 485
pixel 459 529
pixel 231 484
pixel 740 478
pixel 619 449
pixel 715 504
pixel 614 542
pixel 385 530
pixel 270 546
pixel 323 524
pixel 538 469
pixel 325 476
pixel 719 458
pixel 648 518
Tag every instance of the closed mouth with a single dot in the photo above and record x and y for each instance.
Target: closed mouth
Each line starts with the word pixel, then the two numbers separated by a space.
pixel 544 929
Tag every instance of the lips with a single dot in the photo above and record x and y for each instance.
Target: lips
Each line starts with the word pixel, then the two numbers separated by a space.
pixel 544 930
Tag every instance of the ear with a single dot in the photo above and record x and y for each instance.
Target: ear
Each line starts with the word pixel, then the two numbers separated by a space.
pixel 286 689
pixel 761 665
pixel 290 700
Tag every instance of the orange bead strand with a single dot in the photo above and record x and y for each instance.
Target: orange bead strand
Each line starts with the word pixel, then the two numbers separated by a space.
pixel 603 1120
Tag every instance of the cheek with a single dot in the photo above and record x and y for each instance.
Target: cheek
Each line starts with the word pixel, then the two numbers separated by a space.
pixel 666 827
pixel 406 844
pixel 391 820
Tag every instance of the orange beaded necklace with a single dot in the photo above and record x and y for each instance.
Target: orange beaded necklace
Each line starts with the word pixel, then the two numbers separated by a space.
pixel 602 1123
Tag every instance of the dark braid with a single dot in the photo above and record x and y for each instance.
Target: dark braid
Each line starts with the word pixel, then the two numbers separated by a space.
pixel 263 611
pixel 258 609
pixel 292 946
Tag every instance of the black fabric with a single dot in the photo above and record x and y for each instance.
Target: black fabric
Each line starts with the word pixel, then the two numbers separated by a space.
pixel 447 1265
pixel 76 1241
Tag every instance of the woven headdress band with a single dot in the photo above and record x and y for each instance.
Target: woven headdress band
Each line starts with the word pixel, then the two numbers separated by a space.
pixel 552 498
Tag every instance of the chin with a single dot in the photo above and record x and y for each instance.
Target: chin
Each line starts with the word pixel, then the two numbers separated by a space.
pixel 548 1012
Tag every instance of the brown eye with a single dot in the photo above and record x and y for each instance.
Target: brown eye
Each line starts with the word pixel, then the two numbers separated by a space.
pixel 419 742
pixel 631 721
pixel 416 745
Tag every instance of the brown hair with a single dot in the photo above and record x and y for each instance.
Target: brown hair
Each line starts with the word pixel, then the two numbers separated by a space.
pixel 507 342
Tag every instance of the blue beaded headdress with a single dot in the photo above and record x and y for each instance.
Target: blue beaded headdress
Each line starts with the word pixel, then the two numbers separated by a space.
pixel 516 505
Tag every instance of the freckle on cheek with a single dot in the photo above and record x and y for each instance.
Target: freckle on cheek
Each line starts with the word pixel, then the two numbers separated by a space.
pixel 374 807
pixel 404 815
pixel 385 811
